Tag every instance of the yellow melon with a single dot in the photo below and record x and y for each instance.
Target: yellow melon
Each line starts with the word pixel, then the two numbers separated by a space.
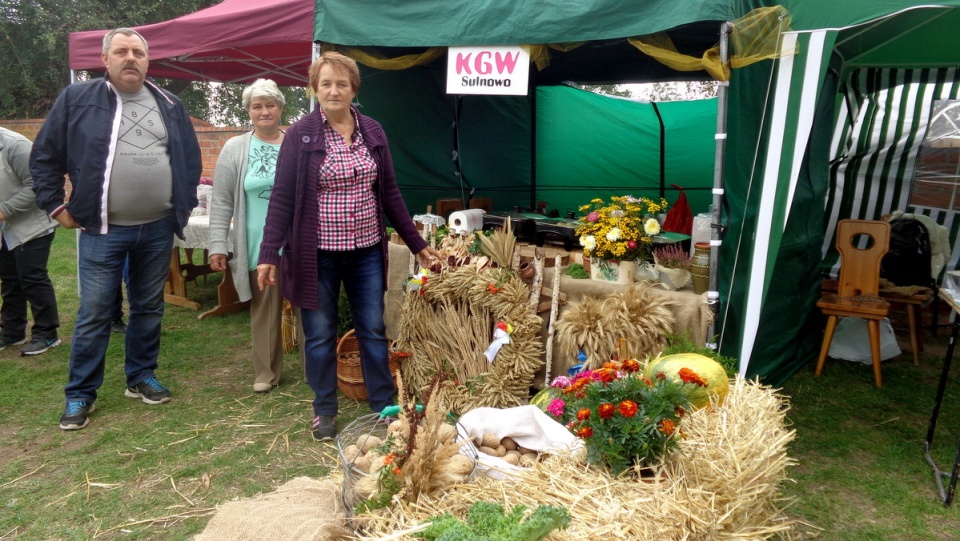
pixel 717 381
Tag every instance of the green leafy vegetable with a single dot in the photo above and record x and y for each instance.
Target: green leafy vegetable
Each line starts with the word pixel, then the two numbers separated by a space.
pixel 486 521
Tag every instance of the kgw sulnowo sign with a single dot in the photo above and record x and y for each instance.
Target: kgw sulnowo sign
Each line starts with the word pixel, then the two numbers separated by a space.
pixel 501 70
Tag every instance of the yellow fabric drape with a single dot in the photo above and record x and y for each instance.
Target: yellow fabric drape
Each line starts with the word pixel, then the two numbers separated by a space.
pixel 540 54
pixel 755 37
pixel 376 60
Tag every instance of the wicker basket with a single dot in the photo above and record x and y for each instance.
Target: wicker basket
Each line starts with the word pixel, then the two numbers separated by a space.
pixel 370 425
pixel 349 373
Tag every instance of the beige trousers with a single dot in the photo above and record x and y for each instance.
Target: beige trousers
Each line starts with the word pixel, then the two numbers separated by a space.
pixel 266 312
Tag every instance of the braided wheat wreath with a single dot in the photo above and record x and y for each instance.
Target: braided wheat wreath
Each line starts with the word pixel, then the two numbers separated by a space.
pixel 446 329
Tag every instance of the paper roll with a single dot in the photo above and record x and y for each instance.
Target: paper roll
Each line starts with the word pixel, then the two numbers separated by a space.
pixel 701 228
pixel 466 221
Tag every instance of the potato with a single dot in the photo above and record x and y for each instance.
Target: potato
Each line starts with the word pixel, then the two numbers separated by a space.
pixel 457 464
pixel 366 442
pixel 524 450
pixel 509 444
pixel 490 440
pixel 501 450
pixel 512 459
pixel 513 453
pixel 362 463
pixel 488 451
pixel 350 453
pixel 446 433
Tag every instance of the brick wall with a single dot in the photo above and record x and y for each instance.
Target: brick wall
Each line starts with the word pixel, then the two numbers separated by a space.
pixel 211 138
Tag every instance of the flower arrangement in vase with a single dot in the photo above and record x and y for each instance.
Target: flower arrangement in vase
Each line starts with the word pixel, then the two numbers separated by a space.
pixel 625 419
pixel 673 265
pixel 619 231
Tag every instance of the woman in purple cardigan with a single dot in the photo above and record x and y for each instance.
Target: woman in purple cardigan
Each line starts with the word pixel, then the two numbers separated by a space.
pixel 335 188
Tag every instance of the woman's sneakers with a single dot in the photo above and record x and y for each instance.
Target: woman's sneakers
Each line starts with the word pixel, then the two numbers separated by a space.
pixel 324 427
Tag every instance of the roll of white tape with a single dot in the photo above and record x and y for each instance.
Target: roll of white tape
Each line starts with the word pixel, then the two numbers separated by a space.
pixel 466 221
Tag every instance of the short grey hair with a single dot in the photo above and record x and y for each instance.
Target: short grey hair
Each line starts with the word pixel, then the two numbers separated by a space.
pixel 262 88
pixel 126 32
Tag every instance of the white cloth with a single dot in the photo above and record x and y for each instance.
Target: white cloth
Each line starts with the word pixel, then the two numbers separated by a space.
pixel 529 426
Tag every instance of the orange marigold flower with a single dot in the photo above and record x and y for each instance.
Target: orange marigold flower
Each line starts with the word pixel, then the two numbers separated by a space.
pixel 610 365
pixel 606 410
pixel 492 288
pixel 661 375
pixel 583 414
pixel 667 427
pixel 630 365
pixel 396 471
pixel 628 408
pixel 605 375
pixel 585 432
pixel 387 460
pixel 648 382
pixel 689 376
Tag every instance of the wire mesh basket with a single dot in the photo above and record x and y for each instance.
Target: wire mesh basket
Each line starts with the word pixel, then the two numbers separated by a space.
pixel 371 425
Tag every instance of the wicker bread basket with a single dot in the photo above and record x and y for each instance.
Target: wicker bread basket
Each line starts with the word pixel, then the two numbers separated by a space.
pixel 349 373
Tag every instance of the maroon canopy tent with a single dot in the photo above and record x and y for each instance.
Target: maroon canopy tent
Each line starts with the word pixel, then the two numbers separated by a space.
pixel 236 41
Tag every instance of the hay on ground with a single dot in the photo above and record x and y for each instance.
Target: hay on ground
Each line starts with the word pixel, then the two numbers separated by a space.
pixel 724 484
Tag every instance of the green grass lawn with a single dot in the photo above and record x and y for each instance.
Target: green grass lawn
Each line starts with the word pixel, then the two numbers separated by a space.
pixel 158 472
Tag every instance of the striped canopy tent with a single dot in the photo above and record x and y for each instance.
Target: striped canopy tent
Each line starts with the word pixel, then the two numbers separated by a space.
pixel 830 130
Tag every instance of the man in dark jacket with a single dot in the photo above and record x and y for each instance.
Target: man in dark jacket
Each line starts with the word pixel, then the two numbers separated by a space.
pixel 134 165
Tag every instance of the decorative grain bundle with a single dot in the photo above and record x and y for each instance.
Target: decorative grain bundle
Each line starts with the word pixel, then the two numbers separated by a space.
pixel 596 326
pixel 448 327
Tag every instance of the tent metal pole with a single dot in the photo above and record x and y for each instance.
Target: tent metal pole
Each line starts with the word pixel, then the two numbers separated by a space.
pixel 663 151
pixel 713 294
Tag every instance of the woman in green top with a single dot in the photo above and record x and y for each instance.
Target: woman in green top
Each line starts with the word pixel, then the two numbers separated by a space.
pixel 242 182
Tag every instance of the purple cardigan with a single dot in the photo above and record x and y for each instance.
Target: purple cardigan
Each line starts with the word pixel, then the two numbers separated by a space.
pixel 292 213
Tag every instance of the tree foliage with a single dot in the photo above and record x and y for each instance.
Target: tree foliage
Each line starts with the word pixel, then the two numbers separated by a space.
pixel 34 53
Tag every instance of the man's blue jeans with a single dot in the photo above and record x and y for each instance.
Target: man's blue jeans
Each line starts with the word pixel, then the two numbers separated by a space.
pixel 100 262
pixel 361 272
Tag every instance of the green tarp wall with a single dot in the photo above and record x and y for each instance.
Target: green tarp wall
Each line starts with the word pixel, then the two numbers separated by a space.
pixel 586 145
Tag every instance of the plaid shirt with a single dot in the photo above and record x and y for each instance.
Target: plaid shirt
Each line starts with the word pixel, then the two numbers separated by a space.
pixel 347 218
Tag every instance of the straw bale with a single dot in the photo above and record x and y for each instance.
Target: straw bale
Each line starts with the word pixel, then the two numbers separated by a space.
pixel 724 484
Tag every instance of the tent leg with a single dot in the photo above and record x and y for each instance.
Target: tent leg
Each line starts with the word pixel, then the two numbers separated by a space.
pixel 713 294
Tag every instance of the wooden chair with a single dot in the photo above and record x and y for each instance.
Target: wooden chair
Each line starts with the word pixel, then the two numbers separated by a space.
pixel 857 292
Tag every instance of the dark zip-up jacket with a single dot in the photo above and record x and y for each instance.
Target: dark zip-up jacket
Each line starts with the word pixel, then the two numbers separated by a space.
pixel 292 219
pixel 79 138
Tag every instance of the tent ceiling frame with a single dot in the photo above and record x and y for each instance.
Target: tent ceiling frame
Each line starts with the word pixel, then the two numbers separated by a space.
pixel 890 37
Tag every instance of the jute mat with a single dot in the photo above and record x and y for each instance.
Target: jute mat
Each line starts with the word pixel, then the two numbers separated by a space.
pixel 302 509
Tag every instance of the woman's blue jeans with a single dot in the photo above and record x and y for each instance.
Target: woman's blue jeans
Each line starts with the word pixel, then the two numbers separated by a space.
pixel 101 259
pixel 361 272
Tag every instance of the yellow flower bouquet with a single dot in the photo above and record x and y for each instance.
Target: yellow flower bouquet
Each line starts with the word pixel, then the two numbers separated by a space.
pixel 620 230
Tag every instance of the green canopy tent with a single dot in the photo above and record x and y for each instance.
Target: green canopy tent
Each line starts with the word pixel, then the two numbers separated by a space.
pixel 827 133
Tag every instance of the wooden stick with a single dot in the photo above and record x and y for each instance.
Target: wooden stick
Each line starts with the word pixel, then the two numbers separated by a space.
pixel 537 278
pixel 554 309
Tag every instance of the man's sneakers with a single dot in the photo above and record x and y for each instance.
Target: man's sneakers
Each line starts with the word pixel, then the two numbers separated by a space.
pixel 150 391
pixel 39 345
pixel 76 415
pixel 7 341
pixel 324 427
